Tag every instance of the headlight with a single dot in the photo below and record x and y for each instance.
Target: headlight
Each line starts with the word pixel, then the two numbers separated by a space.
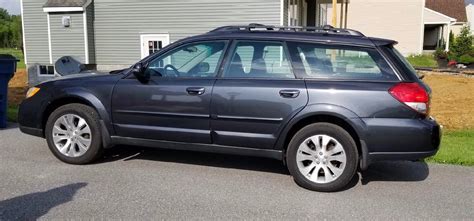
pixel 31 92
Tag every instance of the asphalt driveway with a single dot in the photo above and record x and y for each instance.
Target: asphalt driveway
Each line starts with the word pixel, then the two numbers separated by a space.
pixel 141 183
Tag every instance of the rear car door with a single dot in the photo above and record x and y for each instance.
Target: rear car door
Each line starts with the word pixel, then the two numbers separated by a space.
pixel 174 105
pixel 255 96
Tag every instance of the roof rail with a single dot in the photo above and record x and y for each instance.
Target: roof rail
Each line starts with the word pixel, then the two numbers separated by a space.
pixel 326 29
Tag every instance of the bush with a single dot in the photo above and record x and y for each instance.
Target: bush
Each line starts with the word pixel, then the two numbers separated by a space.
pixel 462 44
pixel 452 40
pixel 440 53
pixel 466 59
pixel 452 56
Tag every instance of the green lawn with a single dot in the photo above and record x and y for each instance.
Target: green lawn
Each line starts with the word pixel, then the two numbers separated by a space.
pixel 457 147
pixel 17 54
pixel 425 61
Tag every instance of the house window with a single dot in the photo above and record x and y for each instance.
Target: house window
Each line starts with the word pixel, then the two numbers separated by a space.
pixel 45 70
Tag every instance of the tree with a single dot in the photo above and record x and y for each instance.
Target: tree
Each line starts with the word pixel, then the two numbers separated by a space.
pixel 10 30
pixel 4 14
pixel 452 41
pixel 463 44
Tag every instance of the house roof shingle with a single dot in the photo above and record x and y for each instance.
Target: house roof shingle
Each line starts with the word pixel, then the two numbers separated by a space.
pixel 65 3
pixel 452 8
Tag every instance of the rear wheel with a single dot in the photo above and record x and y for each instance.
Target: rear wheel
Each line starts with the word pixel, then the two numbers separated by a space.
pixel 73 134
pixel 322 157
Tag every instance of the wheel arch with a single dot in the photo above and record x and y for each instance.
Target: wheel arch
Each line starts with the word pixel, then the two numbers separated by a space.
pixel 328 113
pixel 77 96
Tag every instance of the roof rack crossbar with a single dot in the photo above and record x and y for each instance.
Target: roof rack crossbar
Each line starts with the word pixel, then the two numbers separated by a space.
pixel 327 29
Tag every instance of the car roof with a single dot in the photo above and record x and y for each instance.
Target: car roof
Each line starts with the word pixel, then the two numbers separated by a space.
pixel 310 34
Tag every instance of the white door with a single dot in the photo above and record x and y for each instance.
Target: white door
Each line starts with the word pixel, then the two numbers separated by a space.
pixel 151 43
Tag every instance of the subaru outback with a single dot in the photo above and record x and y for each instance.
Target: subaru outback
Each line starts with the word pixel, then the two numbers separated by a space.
pixel 325 101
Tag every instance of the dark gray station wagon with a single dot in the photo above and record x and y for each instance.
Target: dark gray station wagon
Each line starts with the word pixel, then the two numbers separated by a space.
pixel 325 101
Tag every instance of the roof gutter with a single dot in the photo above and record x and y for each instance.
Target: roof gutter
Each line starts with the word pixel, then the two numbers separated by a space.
pixel 67 9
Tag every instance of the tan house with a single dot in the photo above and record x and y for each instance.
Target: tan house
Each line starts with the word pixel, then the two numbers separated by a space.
pixel 441 18
pixel 418 25
pixel 455 9
pixel 401 20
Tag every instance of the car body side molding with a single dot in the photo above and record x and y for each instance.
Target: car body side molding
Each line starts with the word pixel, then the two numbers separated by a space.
pixel 209 148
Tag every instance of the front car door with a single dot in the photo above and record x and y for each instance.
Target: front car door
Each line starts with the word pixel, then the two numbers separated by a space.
pixel 174 105
pixel 256 95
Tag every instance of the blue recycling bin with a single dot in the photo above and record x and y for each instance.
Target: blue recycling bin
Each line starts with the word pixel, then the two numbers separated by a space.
pixel 7 70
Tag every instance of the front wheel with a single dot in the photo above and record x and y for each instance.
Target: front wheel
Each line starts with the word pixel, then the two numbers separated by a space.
pixel 73 134
pixel 322 157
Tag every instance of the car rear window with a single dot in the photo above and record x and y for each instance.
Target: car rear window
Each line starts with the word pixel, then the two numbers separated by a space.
pixel 405 65
pixel 340 62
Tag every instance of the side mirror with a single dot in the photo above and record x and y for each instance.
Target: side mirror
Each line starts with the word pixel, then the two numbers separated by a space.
pixel 139 71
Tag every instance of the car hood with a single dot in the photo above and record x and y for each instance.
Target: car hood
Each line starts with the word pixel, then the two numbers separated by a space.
pixel 82 75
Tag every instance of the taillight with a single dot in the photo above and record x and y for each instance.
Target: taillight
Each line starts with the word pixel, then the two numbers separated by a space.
pixel 413 95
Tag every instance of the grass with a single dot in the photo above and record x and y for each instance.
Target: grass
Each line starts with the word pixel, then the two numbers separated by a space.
pixel 457 147
pixel 12 113
pixel 17 53
pixel 425 61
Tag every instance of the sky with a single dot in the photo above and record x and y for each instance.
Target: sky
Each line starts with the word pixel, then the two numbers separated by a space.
pixel 12 6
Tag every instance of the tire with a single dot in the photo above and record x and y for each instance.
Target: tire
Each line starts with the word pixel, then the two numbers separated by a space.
pixel 304 157
pixel 75 152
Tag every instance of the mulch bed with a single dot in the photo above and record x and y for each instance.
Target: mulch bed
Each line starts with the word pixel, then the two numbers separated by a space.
pixel 17 88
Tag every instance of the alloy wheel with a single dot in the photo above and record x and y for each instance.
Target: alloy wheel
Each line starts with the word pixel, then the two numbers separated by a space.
pixel 71 135
pixel 321 159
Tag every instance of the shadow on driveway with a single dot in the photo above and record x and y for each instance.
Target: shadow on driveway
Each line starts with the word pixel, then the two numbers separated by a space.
pixel 34 205
pixel 397 171
pixel 127 153
pixel 405 171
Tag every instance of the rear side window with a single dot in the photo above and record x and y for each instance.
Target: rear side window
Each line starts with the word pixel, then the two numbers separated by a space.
pixel 340 62
pixel 255 59
pixel 402 61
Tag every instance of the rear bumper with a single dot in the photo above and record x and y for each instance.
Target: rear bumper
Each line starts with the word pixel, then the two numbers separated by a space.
pixel 401 155
pixel 400 139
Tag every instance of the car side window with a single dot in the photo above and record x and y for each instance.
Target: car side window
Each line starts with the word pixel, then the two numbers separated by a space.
pixel 256 59
pixel 341 62
pixel 189 61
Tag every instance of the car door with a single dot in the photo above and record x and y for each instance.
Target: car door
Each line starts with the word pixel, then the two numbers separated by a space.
pixel 174 104
pixel 255 96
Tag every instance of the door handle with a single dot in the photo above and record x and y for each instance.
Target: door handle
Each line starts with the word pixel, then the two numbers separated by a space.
pixel 195 90
pixel 289 93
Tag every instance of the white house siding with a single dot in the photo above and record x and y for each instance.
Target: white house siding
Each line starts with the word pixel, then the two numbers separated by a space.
pixel 400 20
pixel 119 23
pixel 456 27
pixel 470 15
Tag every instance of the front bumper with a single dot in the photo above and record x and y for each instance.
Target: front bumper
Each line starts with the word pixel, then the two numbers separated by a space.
pixel 32 131
pixel 30 115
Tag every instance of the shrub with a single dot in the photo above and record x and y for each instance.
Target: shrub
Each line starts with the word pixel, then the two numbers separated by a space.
pixel 466 59
pixel 452 56
pixel 452 41
pixel 440 53
pixel 462 45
